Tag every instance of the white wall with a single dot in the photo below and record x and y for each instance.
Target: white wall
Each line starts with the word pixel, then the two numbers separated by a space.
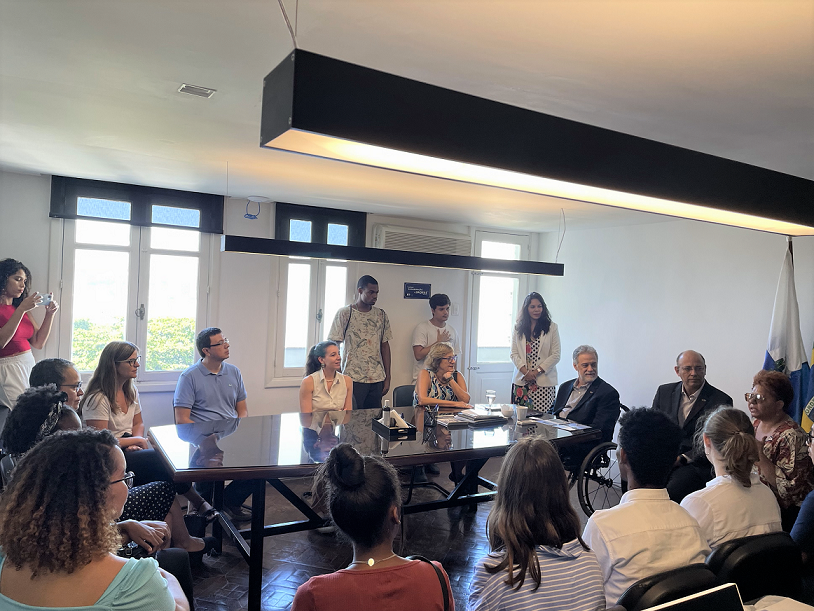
pixel 642 294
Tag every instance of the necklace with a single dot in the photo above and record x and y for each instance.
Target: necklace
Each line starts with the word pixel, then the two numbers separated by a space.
pixel 371 561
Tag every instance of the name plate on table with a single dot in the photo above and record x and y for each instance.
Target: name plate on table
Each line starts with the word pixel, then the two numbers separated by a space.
pixel 395 433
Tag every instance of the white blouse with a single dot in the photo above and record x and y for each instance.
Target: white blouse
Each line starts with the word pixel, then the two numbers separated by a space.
pixel 323 399
pixel 97 407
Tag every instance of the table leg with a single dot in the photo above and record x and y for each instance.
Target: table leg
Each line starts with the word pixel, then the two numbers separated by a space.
pixel 256 555
pixel 217 503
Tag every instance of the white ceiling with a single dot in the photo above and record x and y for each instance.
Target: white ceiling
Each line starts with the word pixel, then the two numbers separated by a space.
pixel 88 88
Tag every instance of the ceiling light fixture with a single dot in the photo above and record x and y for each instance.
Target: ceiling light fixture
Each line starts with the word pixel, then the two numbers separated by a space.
pixel 323 107
pixel 201 92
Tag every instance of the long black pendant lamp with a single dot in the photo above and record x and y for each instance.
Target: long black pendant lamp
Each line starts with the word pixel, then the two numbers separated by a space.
pixel 320 106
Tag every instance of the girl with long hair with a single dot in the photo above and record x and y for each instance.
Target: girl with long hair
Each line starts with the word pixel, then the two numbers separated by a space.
pixel 19 332
pixel 364 500
pixel 535 354
pixel 58 536
pixel 323 388
pixel 111 402
pixel 735 504
pixel 538 559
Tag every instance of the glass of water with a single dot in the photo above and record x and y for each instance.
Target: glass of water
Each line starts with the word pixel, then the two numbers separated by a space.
pixel 490 397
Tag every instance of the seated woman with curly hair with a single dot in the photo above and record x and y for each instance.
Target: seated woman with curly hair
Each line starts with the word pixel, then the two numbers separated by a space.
pixel 57 533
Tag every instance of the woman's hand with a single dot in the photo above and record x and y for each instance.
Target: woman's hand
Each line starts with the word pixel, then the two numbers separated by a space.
pixel 463 405
pixel 530 376
pixel 448 376
pixel 131 444
pixel 30 302
pixel 52 307
pixel 145 535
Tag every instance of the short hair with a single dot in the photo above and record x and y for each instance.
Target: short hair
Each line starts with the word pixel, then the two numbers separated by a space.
pixel 532 508
pixel 365 280
pixel 584 349
pixel 435 354
pixel 680 354
pixel 203 339
pixel 24 424
pixel 361 490
pixel 651 442
pixel 778 384
pixel 54 515
pixel 439 300
pixel 732 436
pixel 49 371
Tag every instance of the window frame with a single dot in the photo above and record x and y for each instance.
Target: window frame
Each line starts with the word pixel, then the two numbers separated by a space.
pixel 320 218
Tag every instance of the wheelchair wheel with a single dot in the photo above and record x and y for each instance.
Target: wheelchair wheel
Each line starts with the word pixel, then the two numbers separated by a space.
pixel 600 484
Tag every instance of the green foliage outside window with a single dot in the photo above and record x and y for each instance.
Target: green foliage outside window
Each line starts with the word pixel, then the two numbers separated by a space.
pixel 170 343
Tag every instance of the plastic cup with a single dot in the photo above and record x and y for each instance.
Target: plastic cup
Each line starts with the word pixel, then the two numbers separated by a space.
pixel 522 412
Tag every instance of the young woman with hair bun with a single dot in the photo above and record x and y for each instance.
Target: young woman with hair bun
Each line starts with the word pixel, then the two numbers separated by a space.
pixel 364 500
pixel 736 503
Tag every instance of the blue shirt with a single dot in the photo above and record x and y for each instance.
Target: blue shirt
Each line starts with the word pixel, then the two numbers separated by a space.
pixel 210 396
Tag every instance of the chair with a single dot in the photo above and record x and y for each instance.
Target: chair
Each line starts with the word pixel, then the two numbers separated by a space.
pixel 4 411
pixel 669 585
pixel 760 565
pixel 403 395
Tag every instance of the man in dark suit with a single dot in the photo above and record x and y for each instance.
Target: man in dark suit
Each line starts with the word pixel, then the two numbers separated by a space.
pixel 687 403
pixel 588 399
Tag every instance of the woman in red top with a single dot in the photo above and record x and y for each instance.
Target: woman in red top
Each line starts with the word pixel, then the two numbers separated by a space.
pixel 19 332
pixel 364 499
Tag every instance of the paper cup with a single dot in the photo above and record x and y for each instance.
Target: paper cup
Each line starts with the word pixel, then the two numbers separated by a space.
pixel 522 412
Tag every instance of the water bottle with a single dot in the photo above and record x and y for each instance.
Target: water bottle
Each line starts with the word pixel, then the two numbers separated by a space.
pixel 386 413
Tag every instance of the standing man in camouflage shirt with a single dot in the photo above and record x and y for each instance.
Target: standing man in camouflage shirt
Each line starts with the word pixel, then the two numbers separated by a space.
pixel 365 333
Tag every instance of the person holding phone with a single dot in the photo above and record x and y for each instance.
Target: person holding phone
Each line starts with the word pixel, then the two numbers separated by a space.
pixel 19 332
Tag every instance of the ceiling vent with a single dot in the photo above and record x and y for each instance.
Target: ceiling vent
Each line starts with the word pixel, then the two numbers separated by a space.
pixel 392 237
pixel 201 92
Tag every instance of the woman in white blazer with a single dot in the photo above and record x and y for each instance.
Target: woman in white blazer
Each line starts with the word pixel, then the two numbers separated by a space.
pixel 535 354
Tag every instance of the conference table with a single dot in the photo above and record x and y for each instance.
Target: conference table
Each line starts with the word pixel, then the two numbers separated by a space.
pixel 267 449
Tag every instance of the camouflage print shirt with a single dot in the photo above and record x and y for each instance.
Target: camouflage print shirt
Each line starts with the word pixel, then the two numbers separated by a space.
pixel 361 342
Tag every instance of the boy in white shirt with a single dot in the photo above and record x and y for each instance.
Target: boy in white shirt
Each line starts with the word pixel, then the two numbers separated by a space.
pixel 434 331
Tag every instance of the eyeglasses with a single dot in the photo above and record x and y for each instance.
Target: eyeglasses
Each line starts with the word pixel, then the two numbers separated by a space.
pixel 809 440
pixel 753 396
pixel 76 386
pixel 127 479
pixel 224 341
pixel 688 369
pixel 450 359
pixel 132 362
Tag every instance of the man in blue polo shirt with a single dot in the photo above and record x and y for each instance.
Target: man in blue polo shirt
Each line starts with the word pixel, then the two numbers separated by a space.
pixel 212 389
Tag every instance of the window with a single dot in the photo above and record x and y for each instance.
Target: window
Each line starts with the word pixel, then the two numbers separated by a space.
pixel 319 225
pixel 147 285
pixel 311 293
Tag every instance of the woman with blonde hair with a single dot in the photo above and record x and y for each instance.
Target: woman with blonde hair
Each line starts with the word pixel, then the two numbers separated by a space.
pixel 439 384
pixel 538 559
pixel 735 504
pixel 58 536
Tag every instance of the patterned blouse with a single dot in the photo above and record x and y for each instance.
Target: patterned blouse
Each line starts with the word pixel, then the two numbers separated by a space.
pixel 437 390
pixel 786 448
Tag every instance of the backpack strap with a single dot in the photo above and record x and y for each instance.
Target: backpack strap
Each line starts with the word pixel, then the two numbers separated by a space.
pixel 347 324
pixel 444 589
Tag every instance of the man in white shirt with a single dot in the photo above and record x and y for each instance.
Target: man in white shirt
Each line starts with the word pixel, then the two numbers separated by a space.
pixel 646 533
pixel 434 331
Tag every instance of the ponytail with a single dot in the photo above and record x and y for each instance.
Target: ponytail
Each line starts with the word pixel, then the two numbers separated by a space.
pixel 316 352
pixel 732 435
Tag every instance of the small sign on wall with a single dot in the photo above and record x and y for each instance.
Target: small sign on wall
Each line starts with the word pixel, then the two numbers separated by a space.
pixel 416 290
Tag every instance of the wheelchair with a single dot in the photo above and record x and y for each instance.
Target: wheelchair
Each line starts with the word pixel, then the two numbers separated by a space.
pixel 597 477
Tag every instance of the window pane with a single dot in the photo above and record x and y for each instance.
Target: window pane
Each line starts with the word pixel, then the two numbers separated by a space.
pixel 337 234
pixel 103 208
pixel 184 217
pixel 300 231
pixel 296 314
pixel 497 308
pixel 164 238
pixel 336 282
pixel 500 250
pixel 99 303
pixel 104 234
pixel 173 303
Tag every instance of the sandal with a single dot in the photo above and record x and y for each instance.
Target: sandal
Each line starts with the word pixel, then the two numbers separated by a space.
pixel 207 512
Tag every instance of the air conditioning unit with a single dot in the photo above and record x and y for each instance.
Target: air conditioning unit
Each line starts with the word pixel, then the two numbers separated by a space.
pixel 393 237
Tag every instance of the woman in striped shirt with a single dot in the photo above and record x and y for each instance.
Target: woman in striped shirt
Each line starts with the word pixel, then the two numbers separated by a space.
pixel 538 560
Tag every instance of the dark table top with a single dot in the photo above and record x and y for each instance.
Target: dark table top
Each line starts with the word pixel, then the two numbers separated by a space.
pixel 293 444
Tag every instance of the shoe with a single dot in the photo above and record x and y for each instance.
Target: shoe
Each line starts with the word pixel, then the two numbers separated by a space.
pixel 238 514
pixel 432 469
pixel 206 511
pixel 196 558
pixel 327 530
